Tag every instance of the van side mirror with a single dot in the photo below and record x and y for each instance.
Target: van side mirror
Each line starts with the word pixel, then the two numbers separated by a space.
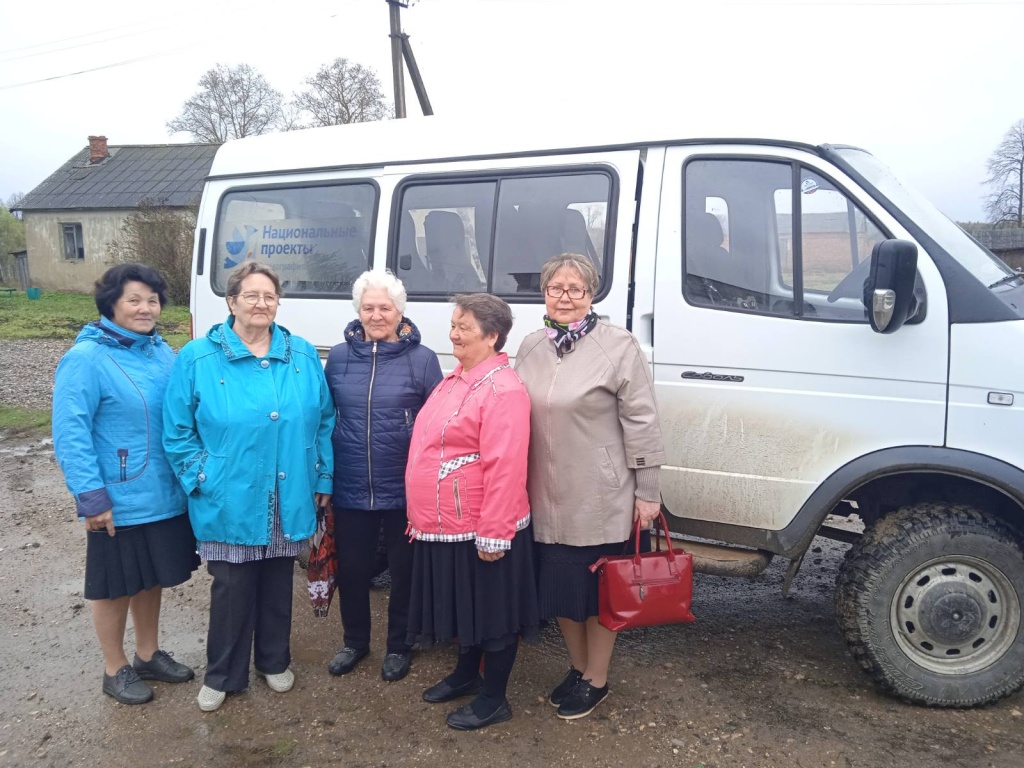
pixel 889 288
pixel 405 262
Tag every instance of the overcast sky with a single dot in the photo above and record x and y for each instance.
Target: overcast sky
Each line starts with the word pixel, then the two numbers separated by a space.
pixel 928 87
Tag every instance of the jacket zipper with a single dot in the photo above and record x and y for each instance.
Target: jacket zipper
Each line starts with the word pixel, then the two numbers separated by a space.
pixel 122 454
pixel 369 419
pixel 458 501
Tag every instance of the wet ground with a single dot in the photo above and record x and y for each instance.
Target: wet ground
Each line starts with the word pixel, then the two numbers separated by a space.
pixel 758 681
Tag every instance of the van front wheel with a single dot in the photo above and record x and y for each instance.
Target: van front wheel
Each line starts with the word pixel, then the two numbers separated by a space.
pixel 930 602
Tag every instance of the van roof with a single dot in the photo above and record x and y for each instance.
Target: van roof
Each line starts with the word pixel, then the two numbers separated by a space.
pixel 422 139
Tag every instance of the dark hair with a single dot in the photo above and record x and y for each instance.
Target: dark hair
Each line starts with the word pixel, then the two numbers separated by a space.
pixel 234 286
pixel 110 287
pixel 492 314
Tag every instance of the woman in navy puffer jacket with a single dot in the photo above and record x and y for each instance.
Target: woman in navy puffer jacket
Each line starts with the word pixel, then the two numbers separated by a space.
pixel 379 377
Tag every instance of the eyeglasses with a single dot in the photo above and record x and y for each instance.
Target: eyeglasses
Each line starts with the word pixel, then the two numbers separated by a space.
pixel 557 292
pixel 253 298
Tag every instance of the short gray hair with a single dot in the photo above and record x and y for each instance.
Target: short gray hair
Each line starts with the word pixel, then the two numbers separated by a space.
pixel 584 268
pixel 491 313
pixel 235 279
pixel 379 278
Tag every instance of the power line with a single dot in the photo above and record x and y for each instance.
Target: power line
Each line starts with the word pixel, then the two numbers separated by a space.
pixel 4 52
pixel 95 69
pixel 267 24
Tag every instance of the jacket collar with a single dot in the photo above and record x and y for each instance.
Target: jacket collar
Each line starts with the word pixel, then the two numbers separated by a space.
pixel 481 370
pixel 112 333
pixel 408 337
pixel 234 348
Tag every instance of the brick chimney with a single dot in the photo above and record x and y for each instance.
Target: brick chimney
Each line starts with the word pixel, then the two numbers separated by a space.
pixel 98 149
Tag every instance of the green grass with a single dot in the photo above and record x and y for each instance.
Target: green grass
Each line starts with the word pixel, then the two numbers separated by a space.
pixel 17 420
pixel 62 315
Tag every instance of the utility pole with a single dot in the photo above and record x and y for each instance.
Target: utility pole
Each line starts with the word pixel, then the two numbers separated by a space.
pixel 401 49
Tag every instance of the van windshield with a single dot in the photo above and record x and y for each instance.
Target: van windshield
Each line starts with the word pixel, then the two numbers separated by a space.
pixel 982 263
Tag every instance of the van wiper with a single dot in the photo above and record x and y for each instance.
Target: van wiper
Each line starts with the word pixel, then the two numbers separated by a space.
pixel 1006 279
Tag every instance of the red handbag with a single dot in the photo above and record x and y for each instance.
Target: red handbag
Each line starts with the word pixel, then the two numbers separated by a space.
pixel 644 590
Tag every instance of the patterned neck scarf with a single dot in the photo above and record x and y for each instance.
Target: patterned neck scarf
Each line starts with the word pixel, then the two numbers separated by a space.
pixel 565 336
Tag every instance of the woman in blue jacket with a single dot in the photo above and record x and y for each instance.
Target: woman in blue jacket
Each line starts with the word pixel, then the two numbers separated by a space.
pixel 379 377
pixel 247 429
pixel 107 400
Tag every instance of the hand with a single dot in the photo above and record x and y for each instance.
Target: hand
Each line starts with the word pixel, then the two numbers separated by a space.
pixel 646 511
pixel 323 505
pixel 490 557
pixel 100 522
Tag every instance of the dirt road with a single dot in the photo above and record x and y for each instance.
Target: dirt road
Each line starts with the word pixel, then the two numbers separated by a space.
pixel 759 681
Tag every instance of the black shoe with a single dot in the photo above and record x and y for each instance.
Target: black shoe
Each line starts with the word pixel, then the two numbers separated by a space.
pixel 436 694
pixel 345 660
pixel 163 668
pixel 395 667
pixel 126 686
pixel 581 700
pixel 565 687
pixel 464 719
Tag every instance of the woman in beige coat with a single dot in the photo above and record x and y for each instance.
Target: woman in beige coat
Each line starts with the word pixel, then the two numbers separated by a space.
pixel 595 449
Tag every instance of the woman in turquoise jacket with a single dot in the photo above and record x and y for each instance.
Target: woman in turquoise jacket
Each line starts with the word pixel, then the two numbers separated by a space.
pixel 247 428
pixel 107 400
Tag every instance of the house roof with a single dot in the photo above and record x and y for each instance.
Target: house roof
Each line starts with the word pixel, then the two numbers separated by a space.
pixel 167 174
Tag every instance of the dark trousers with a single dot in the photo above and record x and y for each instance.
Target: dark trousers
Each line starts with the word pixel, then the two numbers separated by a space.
pixel 250 608
pixel 356 533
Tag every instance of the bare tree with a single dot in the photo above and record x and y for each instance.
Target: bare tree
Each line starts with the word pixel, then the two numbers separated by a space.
pixel 1005 203
pixel 232 102
pixel 161 238
pixel 343 92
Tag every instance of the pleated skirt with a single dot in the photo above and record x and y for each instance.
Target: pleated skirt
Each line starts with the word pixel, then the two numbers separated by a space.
pixel 139 557
pixel 565 586
pixel 459 598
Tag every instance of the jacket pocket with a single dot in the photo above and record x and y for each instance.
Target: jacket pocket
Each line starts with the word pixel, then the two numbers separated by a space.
pixel 460 496
pixel 128 465
pixel 607 468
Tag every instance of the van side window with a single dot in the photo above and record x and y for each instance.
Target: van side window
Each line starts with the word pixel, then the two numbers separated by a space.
pixel 444 237
pixel 741 251
pixel 495 234
pixel 835 236
pixel 729 245
pixel 317 238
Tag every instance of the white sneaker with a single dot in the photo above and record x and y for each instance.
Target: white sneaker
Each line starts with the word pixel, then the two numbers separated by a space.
pixel 210 699
pixel 281 682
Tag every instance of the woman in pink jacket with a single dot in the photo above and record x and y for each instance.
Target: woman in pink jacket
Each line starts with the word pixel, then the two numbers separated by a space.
pixel 473 575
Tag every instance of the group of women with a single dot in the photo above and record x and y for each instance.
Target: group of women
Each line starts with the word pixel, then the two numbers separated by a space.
pixel 495 487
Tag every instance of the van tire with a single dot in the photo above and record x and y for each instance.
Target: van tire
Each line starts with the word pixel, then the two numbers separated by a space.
pixel 930 602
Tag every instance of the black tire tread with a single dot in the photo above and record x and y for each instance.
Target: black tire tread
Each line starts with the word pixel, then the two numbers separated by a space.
pixel 865 561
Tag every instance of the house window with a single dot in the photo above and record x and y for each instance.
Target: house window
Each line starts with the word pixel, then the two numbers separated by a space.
pixel 73 248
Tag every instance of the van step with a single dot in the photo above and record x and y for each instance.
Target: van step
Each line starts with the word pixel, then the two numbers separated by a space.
pixel 720 560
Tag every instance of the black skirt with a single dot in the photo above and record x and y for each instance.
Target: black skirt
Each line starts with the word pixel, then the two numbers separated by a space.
pixel 139 557
pixel 565 586
pixel 457 597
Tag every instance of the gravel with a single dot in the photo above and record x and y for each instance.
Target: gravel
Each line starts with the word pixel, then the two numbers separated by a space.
pixel 26 371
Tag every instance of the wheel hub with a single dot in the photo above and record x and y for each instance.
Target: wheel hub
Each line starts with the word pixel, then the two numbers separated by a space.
pixel 950 615
pixel 955 615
